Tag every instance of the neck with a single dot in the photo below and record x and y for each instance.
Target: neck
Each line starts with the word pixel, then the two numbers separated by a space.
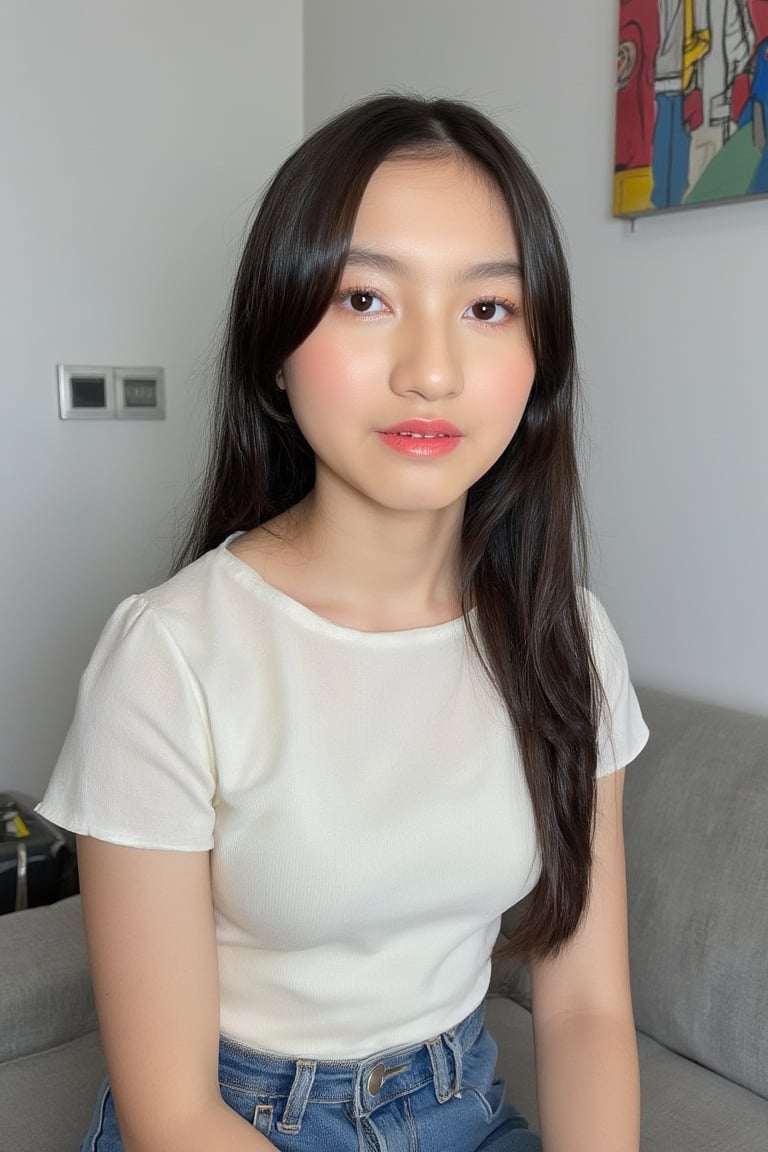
pixel 377 569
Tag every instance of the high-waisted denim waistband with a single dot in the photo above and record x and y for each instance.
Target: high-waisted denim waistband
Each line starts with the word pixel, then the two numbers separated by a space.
pixel 362 1084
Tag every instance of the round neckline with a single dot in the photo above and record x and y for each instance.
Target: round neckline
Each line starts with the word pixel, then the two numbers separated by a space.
pixel 303 615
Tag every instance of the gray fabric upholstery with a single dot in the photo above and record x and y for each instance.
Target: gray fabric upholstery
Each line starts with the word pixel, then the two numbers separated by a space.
pixel 511 977
pixel 687 1108
pixel 47 1099
pixel 697 870
pixel 46 994
pixel 512 1029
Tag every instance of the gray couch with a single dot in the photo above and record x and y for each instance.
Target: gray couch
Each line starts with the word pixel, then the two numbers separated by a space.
pixel 696 816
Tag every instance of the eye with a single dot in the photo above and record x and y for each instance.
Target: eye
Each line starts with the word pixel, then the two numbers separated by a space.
pixel 361 300
pixel 491 311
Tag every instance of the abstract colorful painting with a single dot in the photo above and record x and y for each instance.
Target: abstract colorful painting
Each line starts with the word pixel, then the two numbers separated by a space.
pixel 691 104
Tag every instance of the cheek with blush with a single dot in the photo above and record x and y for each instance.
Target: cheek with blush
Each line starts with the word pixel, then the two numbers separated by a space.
pixel 332 368
pixel 314 365
pixel 329 388
pixel 507 388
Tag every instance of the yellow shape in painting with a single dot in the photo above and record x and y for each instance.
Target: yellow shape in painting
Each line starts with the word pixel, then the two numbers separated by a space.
pixel 696 43
pixel 632 191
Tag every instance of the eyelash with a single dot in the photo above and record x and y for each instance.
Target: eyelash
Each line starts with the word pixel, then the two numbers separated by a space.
pixel 358 290
pixel 509 306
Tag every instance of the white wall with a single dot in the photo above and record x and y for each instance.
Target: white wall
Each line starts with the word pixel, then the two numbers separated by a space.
pixel 135 138
pixel 671 322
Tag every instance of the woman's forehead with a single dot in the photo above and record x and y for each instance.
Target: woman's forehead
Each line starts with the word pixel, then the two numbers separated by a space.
pixel 417 201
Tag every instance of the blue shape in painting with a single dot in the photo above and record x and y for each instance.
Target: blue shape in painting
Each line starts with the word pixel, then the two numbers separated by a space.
pixel 756 113
pixel 671 151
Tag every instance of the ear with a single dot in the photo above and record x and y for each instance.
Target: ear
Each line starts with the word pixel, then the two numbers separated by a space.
pixel 280 381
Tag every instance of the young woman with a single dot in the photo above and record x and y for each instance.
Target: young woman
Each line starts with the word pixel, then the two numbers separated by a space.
pixel 374 707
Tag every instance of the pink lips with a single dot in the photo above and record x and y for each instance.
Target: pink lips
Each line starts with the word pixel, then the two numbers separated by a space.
pixel 422 438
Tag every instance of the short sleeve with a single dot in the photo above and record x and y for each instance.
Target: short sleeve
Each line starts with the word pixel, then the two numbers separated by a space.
pixel 622 732
pixel 137 767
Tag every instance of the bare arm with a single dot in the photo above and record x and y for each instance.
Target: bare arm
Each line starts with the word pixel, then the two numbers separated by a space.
pixel 586 1053
pixel 150 931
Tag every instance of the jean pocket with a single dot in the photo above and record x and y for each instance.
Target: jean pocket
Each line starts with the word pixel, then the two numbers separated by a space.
pixel 478 1076
pixel 490 1098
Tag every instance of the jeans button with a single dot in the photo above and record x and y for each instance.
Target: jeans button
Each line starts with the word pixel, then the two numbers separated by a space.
pixel 376 1078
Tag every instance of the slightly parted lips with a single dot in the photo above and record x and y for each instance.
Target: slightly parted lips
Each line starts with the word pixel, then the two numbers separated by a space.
pixel 423 429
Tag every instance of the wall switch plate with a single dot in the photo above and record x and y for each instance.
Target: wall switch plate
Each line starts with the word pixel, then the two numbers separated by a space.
pixel 140 393
pixel 86 392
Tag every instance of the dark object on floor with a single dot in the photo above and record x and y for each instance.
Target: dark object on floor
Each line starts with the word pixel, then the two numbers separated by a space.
pixel 38 864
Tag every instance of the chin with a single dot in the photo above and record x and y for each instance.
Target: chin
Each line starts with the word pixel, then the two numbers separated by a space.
pixel 418 502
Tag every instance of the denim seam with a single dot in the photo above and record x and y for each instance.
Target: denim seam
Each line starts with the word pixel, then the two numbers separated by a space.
pixel 106 1089
pixel 253 1090
pixel 353 1064
pixel 370 1134
pixel 412 1129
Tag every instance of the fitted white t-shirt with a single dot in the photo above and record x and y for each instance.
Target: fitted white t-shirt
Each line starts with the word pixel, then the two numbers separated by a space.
pixel 361 794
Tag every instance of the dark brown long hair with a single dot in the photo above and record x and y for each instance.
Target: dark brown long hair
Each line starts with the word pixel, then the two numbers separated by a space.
pixel 522 549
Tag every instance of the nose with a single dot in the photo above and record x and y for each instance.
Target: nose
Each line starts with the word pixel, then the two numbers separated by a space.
pixel 427 361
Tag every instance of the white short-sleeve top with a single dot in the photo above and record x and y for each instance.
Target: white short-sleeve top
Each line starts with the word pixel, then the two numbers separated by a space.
pixel 361 794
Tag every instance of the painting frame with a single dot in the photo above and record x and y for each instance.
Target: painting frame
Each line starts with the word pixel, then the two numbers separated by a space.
pixel 691 105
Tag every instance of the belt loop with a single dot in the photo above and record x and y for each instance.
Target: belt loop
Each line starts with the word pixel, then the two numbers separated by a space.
pixel 298 1097
pixel 454 1044
pixel 439 1063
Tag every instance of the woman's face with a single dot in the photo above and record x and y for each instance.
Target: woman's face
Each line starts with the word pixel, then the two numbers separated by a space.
pixel 415 380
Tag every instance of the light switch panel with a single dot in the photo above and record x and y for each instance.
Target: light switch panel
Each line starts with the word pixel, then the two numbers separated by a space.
pixel 140 393
pixel 86 392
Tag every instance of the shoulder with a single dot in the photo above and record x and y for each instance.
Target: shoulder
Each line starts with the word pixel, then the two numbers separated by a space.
pixel 206 600
pixel 179 623
pixel 607 648
pixel 188 588
pixel 622 730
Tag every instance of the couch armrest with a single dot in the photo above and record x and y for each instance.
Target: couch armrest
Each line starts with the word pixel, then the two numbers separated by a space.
pixel 45 992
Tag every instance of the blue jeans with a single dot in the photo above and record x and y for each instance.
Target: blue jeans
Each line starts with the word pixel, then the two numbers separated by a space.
pixel 440 1096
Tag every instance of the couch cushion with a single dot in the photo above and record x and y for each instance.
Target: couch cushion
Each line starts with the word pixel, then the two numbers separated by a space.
pixel 47 1099
pixel 687 1108
pixel 46 989
pixel 696 824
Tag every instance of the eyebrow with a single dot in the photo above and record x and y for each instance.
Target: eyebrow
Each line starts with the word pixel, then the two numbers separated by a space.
pixel 485 270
